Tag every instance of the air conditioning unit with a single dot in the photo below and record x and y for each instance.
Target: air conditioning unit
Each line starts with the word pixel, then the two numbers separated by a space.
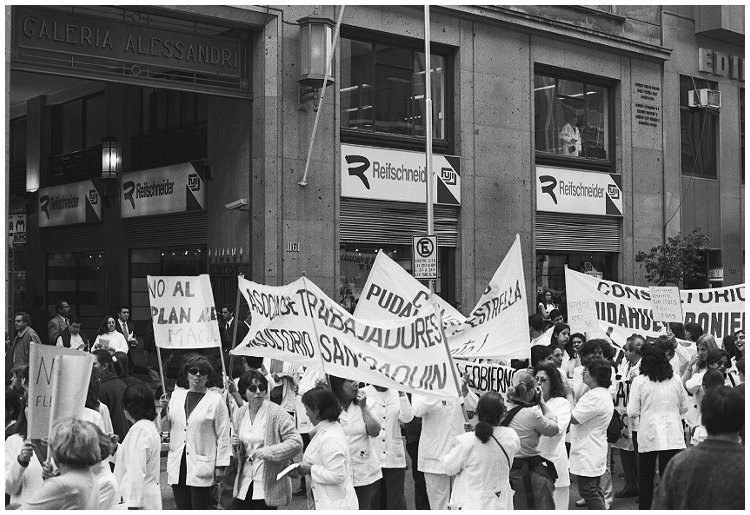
pixel 704 98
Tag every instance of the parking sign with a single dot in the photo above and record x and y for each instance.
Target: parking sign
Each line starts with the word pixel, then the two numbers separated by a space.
pixel 424 257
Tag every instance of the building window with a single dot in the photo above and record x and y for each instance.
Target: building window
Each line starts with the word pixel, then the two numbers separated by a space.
pixel 383 89
pixel 697 130
pixel 17 157
pixel 79 124
pixel 78 278
pixel 571 118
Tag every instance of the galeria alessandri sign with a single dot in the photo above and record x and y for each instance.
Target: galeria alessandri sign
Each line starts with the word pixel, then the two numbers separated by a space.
pixel 78 34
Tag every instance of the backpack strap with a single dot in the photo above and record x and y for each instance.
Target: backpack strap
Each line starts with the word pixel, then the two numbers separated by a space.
pixel 502 449
pixel 511 415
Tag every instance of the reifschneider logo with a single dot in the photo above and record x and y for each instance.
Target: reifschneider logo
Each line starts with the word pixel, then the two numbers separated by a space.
pixel 359 171
pixel 548 186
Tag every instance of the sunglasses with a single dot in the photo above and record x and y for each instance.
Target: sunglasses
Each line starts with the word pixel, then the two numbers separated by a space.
pixel 254 388
pixel 197 371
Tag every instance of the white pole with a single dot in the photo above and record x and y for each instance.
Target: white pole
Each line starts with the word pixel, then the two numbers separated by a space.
pixel 428 127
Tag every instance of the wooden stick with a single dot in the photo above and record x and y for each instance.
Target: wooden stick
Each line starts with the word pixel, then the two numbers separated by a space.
pixel 450 358
pixel 161 370
pixel 236 316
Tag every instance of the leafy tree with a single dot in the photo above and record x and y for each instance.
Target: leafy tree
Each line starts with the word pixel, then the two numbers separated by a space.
pixel 681 261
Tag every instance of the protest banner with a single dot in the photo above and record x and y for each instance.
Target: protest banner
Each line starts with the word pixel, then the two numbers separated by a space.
pixel 622 309
pixel 582 316
pixel 42 365
pixel 70 386
pixel 300 324
pixel 498 326
pixel 622 392
pixel 486 377
pixel 392 292
pixel 666 303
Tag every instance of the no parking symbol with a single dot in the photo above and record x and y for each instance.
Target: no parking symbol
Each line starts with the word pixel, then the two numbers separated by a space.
pixel 424 257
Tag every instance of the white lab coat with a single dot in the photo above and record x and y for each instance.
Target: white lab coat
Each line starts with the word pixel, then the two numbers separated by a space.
pixel 659 406
pixel 391 410
pixel 137 466
pixel 20 483
pixel 483 481
pixel 553 447
pixel 442 419
pixel 205 435
pixel 331 471
pixel 588 450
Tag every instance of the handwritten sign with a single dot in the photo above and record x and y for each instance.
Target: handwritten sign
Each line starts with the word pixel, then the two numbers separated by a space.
pixel 666 303
pixel 582 316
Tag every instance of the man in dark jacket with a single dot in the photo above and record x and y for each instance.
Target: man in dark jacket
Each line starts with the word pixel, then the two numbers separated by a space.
pixel 111 392
pixel 73 337
pixel 711 475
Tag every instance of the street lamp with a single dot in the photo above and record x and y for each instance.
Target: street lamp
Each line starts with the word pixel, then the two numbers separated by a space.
pixel 110 158
pixel 315 48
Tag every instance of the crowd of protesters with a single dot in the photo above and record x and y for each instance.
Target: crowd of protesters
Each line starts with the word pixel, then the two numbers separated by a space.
pixel 231 440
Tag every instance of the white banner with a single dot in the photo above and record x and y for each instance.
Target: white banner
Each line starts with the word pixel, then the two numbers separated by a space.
pixel 621 407
pixel 399 175
pixel 498 327
pixel 300 324
pixel 183 312
pixel 70 387
pixel 391 293
pixel 560 190
pixel 42 364
pixel 486 377
pixel 622 309
pixel 74 203
pixel 170 189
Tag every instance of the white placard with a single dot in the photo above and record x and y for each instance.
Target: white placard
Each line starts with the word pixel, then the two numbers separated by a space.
pixel 582 316
pixel 666 303
pixel 424 257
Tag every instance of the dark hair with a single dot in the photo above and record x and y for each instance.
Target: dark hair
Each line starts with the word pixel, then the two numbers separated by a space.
pixel 590 346
pixel 253 361
pixel 678 330
pixel 246 380
pixel 104 358
pixel 92 396
pixel 569 348
pixel 323 400
pixel 106 446
pixel 554 314
pixel 694 329
pixel 723 410
pixel 741 364
pixel 714 355
pixel 25 317
pixel 556 385
pixel 336 387
pixel 227 307
pixel 21 425
pixel 655 364
pixel 59 305
pixel 536 322
pixel 103 325
pixel 139 402
pixel 21 371
pixel 601 372
pixel 74 319
pixel 14 403
pixel 539 353
pixel 712 379
pixel 728 343
pixel 490 410
pixel 559 327
pixel 121 364
pixel 609 351
pixel 124 306
pixel 198 361
pixel 666 344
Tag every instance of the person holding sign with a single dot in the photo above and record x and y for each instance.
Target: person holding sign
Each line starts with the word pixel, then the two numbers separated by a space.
pixel 198 423
pixel 23 470
pixel 326 460
pixel 108 338
pixel 265 440
pixel 360 426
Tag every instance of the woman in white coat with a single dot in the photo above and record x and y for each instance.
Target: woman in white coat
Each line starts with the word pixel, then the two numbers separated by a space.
pixel 482 460
pixel 326 460
pixel 549 379
pixel 137 461
pixel 659 399
pixel 199 447
pixel 391 408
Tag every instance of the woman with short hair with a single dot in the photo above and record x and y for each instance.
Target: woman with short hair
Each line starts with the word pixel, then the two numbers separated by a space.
pixel 138 459
pixel 199 449
pixel 326 460
pixel 111 390
pixel 266 440
pixel 659 399
pixel 481 461
pixel 74 445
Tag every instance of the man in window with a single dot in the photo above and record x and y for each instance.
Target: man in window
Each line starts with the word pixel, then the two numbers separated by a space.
pixel 570 137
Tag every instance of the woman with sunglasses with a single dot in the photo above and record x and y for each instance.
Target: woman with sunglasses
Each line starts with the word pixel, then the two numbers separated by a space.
pixel 199 448
pixel 264 439
pixel 360 425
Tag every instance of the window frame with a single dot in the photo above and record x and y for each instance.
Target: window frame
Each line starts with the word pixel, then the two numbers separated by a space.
pixel 384 139
pixel 584 163
pixel 707 112
pixel 84 124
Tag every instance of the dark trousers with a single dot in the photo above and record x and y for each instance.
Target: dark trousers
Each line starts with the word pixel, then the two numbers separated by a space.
pixel 249 504
pixel 534 487
pixel 389 492
pixel 225 489
pixel 365 494
pixel 421 502
pixel 190 497
pixel 630 469
pixel 589 488
pixel 647 471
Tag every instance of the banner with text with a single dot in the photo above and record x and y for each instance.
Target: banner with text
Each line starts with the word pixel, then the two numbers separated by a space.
pixel 486 377
pixel 622 309
pixel 42 364
pixel 300 324
pixel 68 204
pixel 622 389
pixel 498 327
pixel 183 312
pixel 169 189
pixel 391 292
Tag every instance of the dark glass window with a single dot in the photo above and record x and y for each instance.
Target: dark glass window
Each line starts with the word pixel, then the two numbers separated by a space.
pixel 17 157
pixel 165 110
pixel 78 124
pixel 571 118
pixel 79 278
pixel 742 134
pixel 697 130
pixel 383 89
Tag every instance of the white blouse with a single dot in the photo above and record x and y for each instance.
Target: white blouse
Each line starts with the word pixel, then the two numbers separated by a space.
pixel 553 447
pixel 659 406
pixel 138 465
pixel 588 450
pixel 365 462
pixel 114 341
pixel 252 436
pixel 391 410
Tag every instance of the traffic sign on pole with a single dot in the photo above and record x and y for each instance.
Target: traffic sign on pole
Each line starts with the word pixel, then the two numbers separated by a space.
pixel 424 257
